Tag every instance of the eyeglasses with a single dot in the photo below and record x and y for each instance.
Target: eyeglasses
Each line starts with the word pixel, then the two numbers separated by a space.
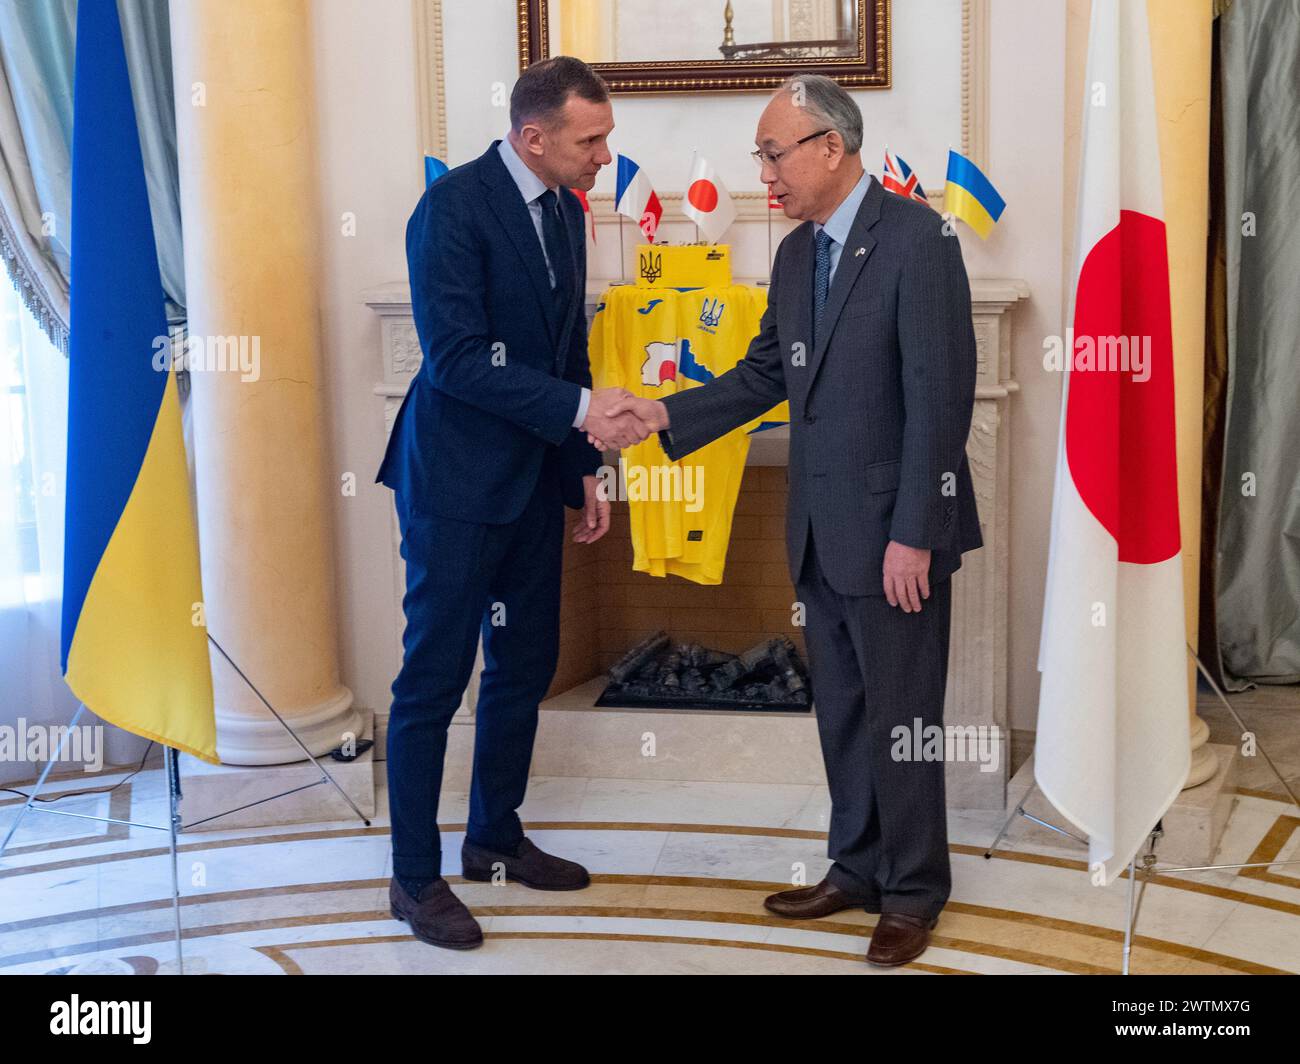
pixel 773 158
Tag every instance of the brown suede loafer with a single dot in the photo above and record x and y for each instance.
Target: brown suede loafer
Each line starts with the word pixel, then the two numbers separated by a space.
pixel 438 917
pixel 530 866
pixel 808 903
pixel 898 938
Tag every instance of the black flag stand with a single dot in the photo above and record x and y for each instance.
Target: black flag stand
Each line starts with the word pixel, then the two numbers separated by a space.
pixel 1150 866
pixel 171 767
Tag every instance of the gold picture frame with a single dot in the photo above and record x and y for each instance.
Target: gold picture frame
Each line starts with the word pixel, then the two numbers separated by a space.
pixel 860 62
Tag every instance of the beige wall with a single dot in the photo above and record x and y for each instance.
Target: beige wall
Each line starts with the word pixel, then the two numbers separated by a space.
pixel 370 165
pixel 1026 149
pixel 369 149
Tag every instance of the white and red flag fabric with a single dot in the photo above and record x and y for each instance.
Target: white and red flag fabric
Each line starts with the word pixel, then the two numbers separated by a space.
pixel 1113 746
pixel 707 202
pixel 634 197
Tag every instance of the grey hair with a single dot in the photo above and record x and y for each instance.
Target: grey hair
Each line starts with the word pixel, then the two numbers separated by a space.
pixel 829 105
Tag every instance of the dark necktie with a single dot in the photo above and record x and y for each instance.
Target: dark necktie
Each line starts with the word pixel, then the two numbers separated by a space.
pixel 557 254
pixel 557 242
pixel 821 280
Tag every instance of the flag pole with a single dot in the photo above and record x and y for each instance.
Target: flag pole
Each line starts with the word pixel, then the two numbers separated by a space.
pixel 769 236
pixel 950 218
pixel 174 823
pixel 622 255
pixel 695 154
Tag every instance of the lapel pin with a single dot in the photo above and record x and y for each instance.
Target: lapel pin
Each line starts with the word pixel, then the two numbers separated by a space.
pixel 860 252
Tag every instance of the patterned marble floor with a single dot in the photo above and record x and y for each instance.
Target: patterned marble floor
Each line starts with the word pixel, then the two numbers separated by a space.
pixel 679 874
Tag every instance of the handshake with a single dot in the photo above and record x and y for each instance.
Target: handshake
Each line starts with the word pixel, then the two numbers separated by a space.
pixel 616 418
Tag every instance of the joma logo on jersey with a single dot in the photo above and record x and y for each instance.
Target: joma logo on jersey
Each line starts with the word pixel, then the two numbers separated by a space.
pixel 711 314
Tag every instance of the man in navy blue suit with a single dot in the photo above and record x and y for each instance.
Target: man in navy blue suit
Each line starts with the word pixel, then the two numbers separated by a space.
pixel 488 447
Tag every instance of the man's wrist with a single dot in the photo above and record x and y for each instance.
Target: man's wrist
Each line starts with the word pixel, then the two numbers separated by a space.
pixel 584 400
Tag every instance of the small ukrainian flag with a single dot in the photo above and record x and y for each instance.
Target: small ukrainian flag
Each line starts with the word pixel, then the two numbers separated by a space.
pixel 970 196
pixel 434 168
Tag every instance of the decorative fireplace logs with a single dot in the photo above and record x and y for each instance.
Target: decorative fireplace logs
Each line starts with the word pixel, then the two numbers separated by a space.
pixel 659 674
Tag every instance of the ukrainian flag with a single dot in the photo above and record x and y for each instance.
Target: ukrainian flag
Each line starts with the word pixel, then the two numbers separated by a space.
pixel 434 168
pixel 132 650
pixel 970 196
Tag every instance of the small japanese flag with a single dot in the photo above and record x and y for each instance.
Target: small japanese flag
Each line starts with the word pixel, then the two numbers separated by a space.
pixel 707 202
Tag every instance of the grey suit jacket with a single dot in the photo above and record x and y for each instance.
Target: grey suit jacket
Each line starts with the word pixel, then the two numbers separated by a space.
pixel 880 407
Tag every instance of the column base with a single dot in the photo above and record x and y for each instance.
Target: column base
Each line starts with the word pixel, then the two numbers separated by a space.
pixel 1204 763
pixel 262 740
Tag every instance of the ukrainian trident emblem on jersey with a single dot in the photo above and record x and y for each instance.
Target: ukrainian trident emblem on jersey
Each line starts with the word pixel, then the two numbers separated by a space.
pixel 711 314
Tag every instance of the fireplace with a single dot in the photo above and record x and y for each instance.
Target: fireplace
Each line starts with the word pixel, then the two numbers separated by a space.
pixel 752 604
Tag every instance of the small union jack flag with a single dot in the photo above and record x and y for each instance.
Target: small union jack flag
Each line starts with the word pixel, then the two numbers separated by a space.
pixel 900 178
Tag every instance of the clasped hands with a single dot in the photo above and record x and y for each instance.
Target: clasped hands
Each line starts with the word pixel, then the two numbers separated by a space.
pixel 616 418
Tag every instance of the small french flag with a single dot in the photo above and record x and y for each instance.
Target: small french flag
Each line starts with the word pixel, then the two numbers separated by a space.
pixel 636 199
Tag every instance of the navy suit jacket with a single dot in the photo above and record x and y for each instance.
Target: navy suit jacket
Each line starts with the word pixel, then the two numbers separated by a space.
pixel 498 389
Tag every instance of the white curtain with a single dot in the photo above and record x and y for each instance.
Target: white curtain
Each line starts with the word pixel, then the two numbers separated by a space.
pixel 33 445
pixel 33 435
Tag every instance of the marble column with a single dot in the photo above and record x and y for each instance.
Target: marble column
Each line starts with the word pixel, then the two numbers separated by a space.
pixel 1180 54
pixel 245 115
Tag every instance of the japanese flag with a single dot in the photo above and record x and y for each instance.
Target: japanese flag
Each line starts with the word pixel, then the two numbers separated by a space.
pixel 707 202
pixel 1113 747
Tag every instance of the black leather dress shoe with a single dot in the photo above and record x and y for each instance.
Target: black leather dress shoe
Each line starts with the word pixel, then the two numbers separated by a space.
pixel 808 903
pixel 437 917
pixel 529 866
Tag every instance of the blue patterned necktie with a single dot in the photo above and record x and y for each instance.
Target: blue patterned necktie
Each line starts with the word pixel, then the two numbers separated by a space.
pixel 822 280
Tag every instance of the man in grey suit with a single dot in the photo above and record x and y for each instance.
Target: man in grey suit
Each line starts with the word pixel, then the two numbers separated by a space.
pixel 868 333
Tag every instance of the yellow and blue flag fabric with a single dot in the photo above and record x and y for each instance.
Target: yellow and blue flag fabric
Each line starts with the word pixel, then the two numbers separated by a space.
pixel 970 196
pixel 131 648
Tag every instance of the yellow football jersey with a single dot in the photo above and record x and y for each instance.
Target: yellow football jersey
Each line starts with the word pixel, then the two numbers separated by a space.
pixel 655 342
